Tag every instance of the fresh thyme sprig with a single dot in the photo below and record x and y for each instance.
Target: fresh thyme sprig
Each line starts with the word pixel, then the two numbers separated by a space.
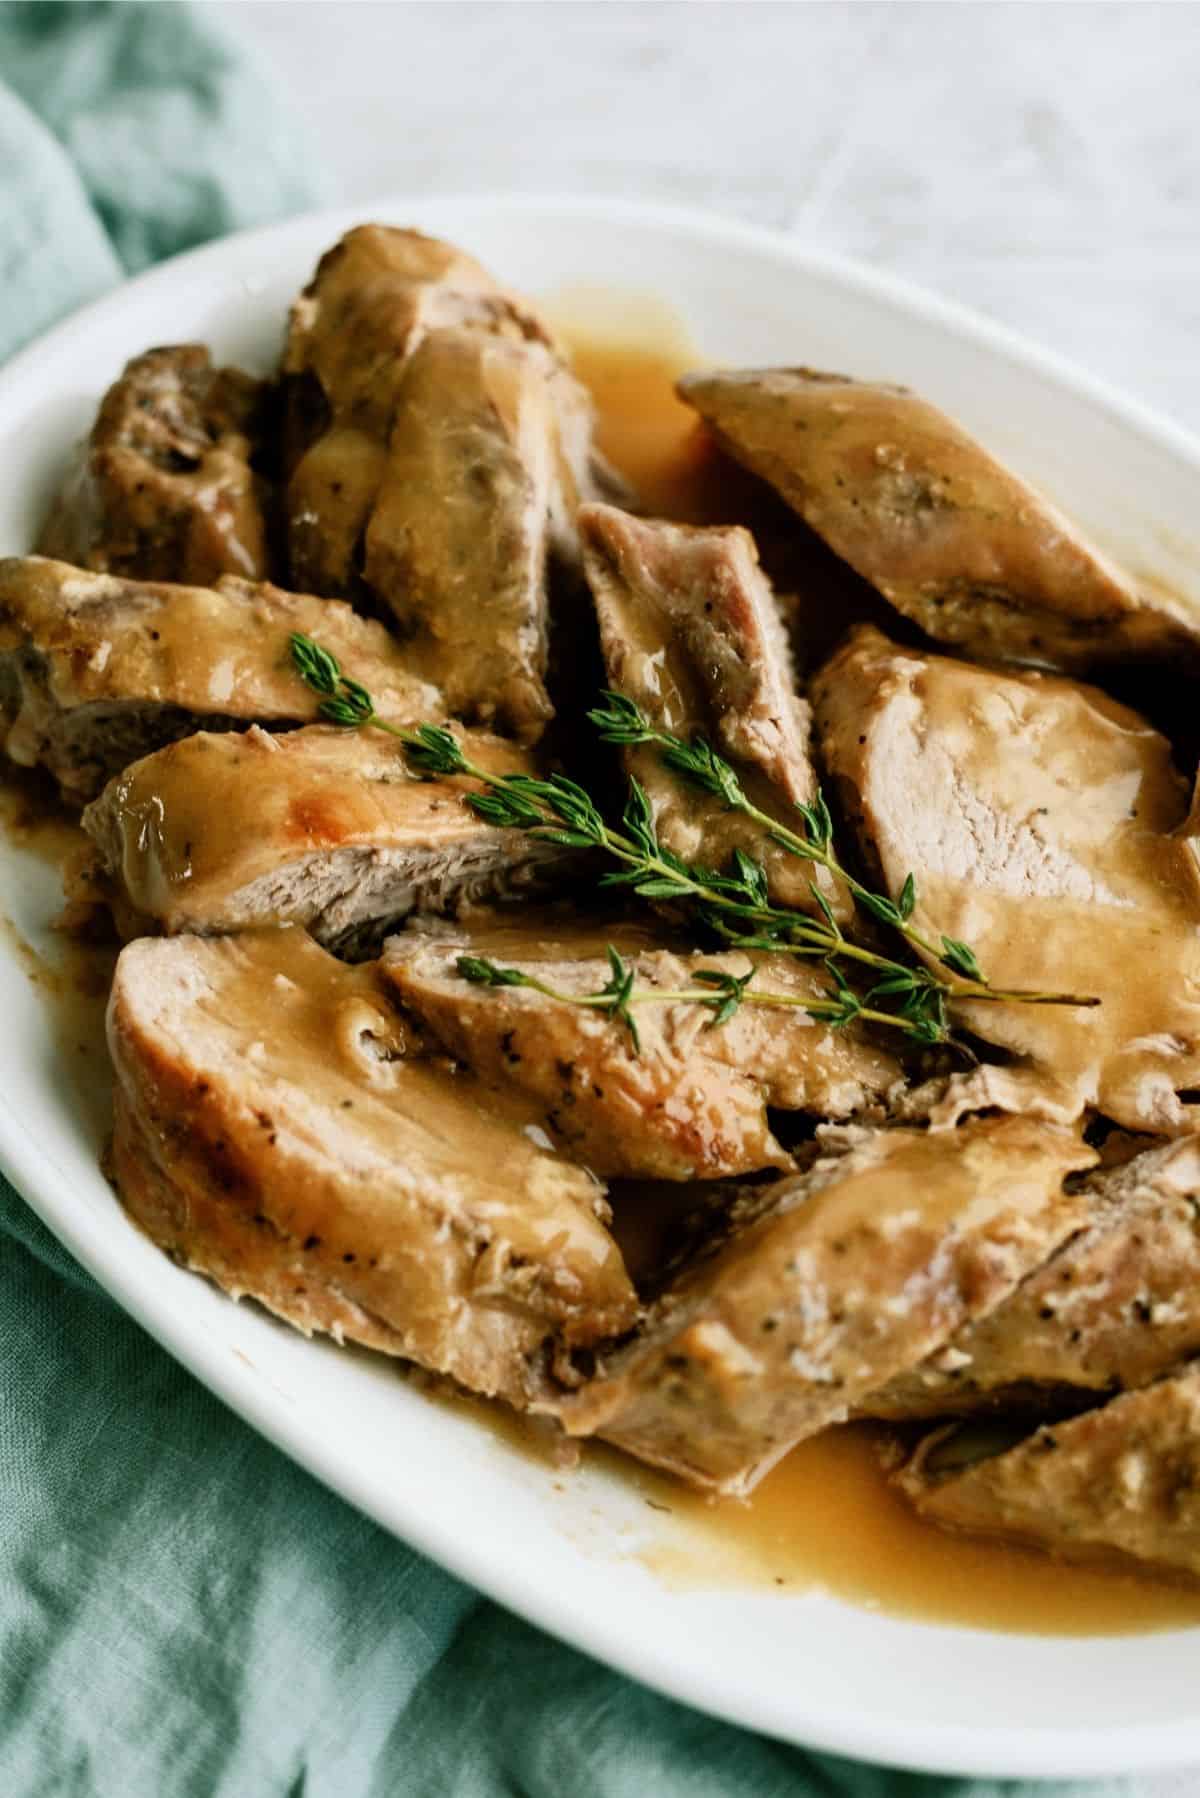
pixel 620 721
pixel 734 905
pixel 614 998
pixel 718 990
pixel 345 701
pixel 558 810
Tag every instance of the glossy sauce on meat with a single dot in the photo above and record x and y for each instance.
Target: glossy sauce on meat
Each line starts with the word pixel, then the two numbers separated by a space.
pixel 323 827
pixel 1047 825
pixel 826 1517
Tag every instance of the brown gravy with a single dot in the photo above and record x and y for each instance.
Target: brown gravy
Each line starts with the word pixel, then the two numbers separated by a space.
pixel 73 975
pixel 826 1518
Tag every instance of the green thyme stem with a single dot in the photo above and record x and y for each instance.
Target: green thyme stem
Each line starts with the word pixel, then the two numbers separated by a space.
pixel 544 807
pixel 805 936
pixel 807 848
pixel 538 807
pixel 723 993
pixel 344 701
pixel 962 989
pixel 806 933
pixel 816 1008
pixel 735 905
pixel 620 721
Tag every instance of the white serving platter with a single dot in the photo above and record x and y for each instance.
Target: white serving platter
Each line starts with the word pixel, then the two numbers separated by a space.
pixel 563 1549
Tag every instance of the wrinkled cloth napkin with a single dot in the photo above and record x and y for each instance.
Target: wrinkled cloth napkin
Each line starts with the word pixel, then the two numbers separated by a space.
pixel 183 1612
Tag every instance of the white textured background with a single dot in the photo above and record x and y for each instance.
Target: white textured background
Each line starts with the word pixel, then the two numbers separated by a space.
pixel 1040 162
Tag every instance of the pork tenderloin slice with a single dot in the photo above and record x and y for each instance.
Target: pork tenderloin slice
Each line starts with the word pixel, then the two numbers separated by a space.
pixel 459 536
pixel 689 1100
pixel 375 298
pixel 165 488
pixel 1119 1481
pixel 692 633
pixel 322 827
pixel 278 1130
pixel 1046 826
pixel 95 671
pixel 951 538
pixel 1116 1306
pixel 829 1284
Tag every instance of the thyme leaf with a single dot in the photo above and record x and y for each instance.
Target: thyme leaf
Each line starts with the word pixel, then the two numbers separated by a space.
pixel 733 905
pixel 718 990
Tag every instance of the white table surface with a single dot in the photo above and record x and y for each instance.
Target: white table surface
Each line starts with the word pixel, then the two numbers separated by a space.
pixel 1039 162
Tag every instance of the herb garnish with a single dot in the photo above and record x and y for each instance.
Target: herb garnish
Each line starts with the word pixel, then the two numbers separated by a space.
pixel 622 722
pixel 344 701
pixel 718 991
pixel 734 906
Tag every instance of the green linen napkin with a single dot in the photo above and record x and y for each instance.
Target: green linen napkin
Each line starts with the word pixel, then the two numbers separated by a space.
pixel 184 1613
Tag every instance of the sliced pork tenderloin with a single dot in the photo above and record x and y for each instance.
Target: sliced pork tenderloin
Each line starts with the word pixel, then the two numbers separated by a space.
pixel 1118 1482
pixel 949 536
pixel 828 1284
pixel 278 1129
pixel 459 537
pixel 691 632
pixel 378 298
pixel 689 1100
pixel 96 671
pixel 322 827
pixel 1116 1306
pixel 166 486
pixel 1047 827
pixel 373 298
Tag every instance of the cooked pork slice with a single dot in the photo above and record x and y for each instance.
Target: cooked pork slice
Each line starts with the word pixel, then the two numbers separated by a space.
pixel 1117 1306
pixel 830 1283
pixel 955 542
pixel 691 632
pixel 1045 826
pixel 276 1131
pixel 687 1101
pixel 1123 1480
pixel 374 300
pixel 459 537
pixel 375 294
pixel 164 488
pixel 322 827
pixel 95 671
